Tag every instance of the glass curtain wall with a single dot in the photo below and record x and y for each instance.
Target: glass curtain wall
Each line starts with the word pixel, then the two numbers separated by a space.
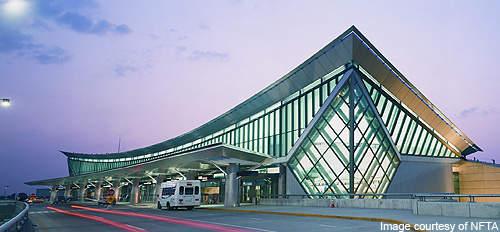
pixel 410 134
pixel 321 163
pixel 272 131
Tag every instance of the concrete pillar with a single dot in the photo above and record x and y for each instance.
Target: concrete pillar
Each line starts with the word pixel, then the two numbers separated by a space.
pixel 134 192
pixel 191 175
pixel 159 180
pixel 67 191
pixel 282 180
pixel 253 193
pixel 117 188
pixel 98 190
pixel 232 186
pixel 53 194
pixel 82 191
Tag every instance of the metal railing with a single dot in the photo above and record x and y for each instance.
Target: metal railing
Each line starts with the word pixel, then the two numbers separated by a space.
pixel 344 196
pixel 454 197
pixel 418 196
pixel 19 216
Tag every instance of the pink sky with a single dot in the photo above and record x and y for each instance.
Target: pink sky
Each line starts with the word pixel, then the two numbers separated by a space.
pixel 158 69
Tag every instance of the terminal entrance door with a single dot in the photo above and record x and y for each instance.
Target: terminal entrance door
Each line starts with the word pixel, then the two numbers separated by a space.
pixel 252 188
pixel 147 192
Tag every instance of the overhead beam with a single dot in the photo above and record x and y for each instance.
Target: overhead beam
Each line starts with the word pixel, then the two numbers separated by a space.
pixel 218 167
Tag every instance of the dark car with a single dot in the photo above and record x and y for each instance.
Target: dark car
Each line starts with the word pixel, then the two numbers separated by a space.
pixel 60 200
pixel 22 197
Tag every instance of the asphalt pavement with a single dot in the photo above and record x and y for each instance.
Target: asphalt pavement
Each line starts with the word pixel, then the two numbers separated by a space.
pixel 125 218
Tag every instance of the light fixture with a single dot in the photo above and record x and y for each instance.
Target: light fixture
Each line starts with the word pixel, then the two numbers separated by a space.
pixel 5 102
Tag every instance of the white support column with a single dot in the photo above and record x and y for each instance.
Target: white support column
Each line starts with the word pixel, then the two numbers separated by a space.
pixel 98 190
pixel 159 180
pixel 53 194
pixel 67 191
pixel 232 188
pixel 191 175
pixel 134 192
pixel 117 187
pixel 82 191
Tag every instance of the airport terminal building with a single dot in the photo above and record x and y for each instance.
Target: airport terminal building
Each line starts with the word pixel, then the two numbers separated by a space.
pixel 345 121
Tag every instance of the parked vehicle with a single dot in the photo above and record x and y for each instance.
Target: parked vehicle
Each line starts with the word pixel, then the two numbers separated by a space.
pixel 22 197
pixel 108 200
pixel 179 193
pixel 61 200
pixel 34 199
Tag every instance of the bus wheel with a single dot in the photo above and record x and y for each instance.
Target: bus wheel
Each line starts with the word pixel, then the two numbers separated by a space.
pixel 158 206
pixel 168 206
pixel 190 207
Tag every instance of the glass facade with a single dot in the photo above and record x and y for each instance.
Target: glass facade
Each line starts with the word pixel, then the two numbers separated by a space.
pixel 335 126
pixel 411 135
pixel 322 162
pixel 272 131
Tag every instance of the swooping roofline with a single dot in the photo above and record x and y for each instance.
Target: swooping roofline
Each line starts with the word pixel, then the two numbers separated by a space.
pixel 350 47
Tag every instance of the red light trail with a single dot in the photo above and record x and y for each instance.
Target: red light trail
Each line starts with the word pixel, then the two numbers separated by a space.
pixel 98 219
pixel 184 222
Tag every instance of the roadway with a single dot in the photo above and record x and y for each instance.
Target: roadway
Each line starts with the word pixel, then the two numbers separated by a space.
pixel 125 218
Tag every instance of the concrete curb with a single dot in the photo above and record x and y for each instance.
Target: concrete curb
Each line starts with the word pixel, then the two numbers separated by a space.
pixel 371 219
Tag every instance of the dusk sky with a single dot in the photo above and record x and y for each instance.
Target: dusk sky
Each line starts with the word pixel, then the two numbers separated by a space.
pixel 82 73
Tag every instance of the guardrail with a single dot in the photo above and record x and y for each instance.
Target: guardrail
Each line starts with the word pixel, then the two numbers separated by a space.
pixel 419 196
pixel 452 196
pixel 17 222
pixel 346 195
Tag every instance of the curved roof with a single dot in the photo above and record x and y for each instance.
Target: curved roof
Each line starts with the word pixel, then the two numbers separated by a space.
pixel 217 154
pixel 350 47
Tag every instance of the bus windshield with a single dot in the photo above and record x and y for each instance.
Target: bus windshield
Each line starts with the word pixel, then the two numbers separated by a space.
pixel 168 191
pixel 189 191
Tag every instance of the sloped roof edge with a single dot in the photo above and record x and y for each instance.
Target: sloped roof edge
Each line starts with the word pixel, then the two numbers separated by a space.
pixel 301 76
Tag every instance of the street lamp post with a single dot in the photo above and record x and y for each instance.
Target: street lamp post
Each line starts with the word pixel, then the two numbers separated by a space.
pixel 5 190
pixel 5 102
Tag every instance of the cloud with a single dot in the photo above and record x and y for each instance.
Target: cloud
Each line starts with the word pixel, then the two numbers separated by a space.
pixel 83 24
pixel 53 55
pixel 182 37
pixel 468 112
pixel 41 25
pixel 203 26
pixel 15 42
pixel 123 70
pixel 54 8
pixel 180 49
pixel 122 29
pixel 69 14
pixel 208 55
pixel 476 111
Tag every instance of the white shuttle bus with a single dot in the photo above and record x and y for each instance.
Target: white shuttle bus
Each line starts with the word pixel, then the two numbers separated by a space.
pixel 179 193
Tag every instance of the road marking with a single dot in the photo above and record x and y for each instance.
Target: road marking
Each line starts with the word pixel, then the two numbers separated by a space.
pixel 238 226
pixel 324 225
pixel 258 219
pixel 172 220
pixel 49 211
pixel 97 219
pixel 135 227
pixel 37 212
pixel 210 214
pixel 225 224
pixel 371 219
